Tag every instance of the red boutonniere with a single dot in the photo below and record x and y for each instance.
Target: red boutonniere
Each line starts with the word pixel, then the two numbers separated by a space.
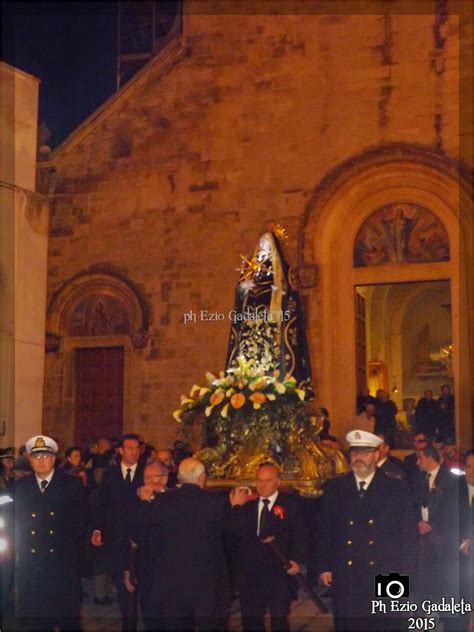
pixel 279 512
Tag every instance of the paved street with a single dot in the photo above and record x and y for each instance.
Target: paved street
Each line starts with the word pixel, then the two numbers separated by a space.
pixel 304 616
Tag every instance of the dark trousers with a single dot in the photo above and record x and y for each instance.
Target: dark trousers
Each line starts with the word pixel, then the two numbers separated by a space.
pixel 260 592
pixel 127 602
pixel 184 618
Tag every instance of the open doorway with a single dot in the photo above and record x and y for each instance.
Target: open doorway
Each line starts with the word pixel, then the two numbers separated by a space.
pixel 404 343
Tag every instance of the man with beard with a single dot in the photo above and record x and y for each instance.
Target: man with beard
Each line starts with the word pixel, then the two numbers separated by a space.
pixel 363 514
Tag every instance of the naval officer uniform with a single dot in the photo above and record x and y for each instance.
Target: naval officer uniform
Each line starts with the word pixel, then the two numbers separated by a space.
pixel 367 526
pixel 49 524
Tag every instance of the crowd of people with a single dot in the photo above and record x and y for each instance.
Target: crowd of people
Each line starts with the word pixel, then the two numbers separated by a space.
pixel 434 417
pixel 178 554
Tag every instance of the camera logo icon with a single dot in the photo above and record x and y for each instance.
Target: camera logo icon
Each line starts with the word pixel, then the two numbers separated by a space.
pixel 393 586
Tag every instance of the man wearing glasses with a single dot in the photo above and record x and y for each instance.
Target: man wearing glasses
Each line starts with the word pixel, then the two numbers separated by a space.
pixel 49 523
pixel 365 516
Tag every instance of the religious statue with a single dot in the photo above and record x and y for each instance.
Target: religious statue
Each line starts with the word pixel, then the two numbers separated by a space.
pixel 256 410
pixel 267 322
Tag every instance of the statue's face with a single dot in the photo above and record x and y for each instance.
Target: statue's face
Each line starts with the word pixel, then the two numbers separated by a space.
pixel 264 247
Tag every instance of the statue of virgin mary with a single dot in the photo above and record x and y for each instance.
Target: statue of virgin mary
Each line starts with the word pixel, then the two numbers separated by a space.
pixel 267 319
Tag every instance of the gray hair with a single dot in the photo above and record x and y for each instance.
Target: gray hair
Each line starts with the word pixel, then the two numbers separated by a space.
pixel 190 470
pixel 161 468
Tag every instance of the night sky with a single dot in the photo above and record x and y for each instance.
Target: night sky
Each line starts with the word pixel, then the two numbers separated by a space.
pixel 72 48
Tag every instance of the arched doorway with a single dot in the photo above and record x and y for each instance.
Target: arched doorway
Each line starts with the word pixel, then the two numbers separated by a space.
pixel 397 175
pixel 95 323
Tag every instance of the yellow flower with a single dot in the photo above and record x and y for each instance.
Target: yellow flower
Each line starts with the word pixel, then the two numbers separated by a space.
pixel 203 391
pixel 271 397
pixel 210 377
pixel 177 415
pixel 258 384
pixel 186 400
pixel 216 397
pixel 237 400
pixel 229 392
pixel 242 384
pixel 194 391
pixel 224 410
pixel 300 393
pixel 208 410
pixel 281 388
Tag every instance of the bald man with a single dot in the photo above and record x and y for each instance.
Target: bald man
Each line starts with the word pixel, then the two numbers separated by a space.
pixel 165 456
pixel 190 575
pixel 265 581
pixel 155 477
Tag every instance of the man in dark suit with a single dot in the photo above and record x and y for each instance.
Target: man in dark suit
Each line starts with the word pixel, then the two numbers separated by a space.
pixel 155 479
pixel 446 426
pixel 438 506
pixel 466 548
pixel 388 463
pixel 115 511
pixel 420 440
pixel 265 581
pixel 49 523
pixel 427 414
pixel 186 527
pixel 385 414
pixel 362 515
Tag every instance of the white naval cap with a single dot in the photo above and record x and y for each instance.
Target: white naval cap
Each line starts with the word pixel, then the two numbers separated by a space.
pixel 363 439
pixel 41 443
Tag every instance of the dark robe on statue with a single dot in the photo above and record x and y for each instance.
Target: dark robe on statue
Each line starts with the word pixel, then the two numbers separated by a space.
pixel 267 320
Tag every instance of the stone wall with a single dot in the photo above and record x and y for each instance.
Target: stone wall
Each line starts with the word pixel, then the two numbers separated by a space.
pixel 235 125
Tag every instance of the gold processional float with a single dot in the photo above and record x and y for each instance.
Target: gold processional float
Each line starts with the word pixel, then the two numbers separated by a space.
pixel 258 409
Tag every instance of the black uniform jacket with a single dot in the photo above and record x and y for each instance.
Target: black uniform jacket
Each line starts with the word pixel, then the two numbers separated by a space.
pixel 186 541
pixel 358 538
pixel 114 512
pixel 48 531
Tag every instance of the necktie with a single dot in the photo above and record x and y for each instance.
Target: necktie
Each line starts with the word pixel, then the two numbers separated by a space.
pixel 128 478
pixel 427 490
pixel 264 518
pixel 44 485
pixel 361 489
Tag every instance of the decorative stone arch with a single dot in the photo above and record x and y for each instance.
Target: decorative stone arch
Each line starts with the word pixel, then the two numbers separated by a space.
pixel 94 285
pixel 81 293
pixel 340 204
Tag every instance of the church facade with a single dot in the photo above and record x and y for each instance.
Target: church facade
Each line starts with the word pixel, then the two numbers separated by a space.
pixel 351 130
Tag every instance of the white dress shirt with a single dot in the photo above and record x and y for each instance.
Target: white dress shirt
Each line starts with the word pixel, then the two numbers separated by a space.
pixel 272 499
pixel 367 481
pixel 425 514
pixel 48 478
pixel 470 489
pixel 132 469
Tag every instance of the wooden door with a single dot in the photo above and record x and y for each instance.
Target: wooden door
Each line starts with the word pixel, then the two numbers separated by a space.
pixel 99 395
pixel 361 344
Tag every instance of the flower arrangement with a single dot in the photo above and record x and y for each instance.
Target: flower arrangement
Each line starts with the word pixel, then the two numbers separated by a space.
pixel 244 398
